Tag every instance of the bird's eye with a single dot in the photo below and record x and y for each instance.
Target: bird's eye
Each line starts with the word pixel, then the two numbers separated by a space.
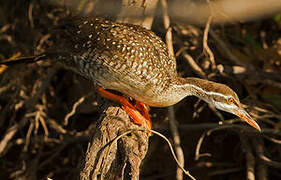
pixel 230 100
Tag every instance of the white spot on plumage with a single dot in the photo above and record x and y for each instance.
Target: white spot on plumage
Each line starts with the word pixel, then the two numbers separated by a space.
pixel 134 65
pixel 118 65
pixel 144 63
pixel 123 67
pixel 111 63
pixel 115 57
pixel 144 71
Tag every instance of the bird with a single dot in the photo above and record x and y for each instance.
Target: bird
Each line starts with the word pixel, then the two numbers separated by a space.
pixel 134 61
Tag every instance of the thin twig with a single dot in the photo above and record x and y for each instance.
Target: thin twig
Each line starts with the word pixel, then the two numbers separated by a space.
pixel 57 127
pixel 43 123
pixel 200 141
pixel 73 111
pixel 30 17
pixel 7 137
pixel 217 113
pixel 207 49
pixel 269 162
pixel 277 141
pixel 196 68
pixel 258 147
pixel 28 134
pixel 177 140
pixel 198 146
pixel 250 159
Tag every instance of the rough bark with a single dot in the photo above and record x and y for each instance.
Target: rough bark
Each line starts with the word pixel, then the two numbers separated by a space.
pixel 125 157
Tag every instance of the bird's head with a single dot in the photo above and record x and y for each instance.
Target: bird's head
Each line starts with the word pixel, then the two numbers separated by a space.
pixel 225 99
pixel 219 95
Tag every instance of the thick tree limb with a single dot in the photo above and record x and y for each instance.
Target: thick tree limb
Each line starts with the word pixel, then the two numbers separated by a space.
pixel 125 157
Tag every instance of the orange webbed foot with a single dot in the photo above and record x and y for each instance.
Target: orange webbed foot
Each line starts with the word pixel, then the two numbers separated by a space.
pixel 138 118
pixel 144 109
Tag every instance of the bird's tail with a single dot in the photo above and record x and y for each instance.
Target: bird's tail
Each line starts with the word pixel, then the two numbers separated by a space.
pixel 19 60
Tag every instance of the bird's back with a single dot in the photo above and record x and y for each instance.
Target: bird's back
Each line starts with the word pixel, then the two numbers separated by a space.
pixel 123 57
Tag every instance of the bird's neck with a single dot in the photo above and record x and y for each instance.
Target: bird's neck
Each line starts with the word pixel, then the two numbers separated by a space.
pixel 194 87
pixel 179 88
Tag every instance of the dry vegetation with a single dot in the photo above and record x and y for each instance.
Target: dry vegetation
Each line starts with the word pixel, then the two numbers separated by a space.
pixel 47 113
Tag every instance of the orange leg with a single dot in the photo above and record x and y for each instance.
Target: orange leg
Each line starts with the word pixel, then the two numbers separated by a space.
pixel 137 117
pixel 143 108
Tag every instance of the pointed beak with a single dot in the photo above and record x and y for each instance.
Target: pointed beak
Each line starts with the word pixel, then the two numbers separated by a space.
pixel 246 117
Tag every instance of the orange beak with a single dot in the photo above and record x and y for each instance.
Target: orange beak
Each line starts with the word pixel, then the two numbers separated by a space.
pixel 246 117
